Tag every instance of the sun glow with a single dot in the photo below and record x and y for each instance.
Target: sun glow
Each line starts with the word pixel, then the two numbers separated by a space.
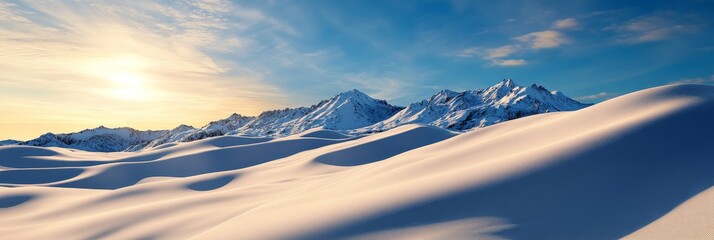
pixel 128 86
pixel 66 66
pixel 126 78
pixel 123 77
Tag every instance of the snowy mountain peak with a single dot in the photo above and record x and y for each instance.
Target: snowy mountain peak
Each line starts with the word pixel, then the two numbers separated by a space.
pixel 353 94
pixel 508 82
pixel 499 90
pixel 443 96
pixel 353 91
pixel 235 117
pixel 48 135
pixel 9 142
pixel 182 128
pixel 232 122
pixel 347 110
pixel 447 92
pixel 477 108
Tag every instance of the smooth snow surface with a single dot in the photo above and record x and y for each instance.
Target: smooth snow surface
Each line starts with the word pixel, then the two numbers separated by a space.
pixel 321 133
pixel 693 219
pixel 638 166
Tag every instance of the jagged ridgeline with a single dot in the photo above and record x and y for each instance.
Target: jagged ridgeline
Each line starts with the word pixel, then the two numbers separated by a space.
pixel 351 112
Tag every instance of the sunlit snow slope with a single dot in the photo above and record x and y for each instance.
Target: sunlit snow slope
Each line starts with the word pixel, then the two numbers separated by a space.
pixel 638 166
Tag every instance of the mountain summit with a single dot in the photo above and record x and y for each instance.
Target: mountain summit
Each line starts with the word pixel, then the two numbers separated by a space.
pixel 478 108
pixel 348 110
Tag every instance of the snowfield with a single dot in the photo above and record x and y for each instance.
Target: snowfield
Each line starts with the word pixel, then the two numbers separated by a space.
pixel 639 166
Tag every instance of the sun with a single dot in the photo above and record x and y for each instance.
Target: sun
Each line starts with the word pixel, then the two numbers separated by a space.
pixel 126 78
pixel 128 86
pixel 122 77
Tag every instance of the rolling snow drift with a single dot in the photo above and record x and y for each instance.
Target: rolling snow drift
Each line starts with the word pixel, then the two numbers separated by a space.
pixel 638 166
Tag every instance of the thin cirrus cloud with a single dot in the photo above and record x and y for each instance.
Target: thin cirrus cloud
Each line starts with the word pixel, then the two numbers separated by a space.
pixel 653 27
pixel 500 52
pixel 509 62
pixel 534 41
pixel 649 27
pixel 699 80
pixel 469 52
pixel 489 53
pixel 498 55
pixel 544 39
pixel 109 61
pixel 495 56
pixel 567 23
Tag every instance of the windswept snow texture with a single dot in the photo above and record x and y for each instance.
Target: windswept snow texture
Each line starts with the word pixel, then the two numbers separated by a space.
pixel 321 133
pixel 478 108
pixel 638 166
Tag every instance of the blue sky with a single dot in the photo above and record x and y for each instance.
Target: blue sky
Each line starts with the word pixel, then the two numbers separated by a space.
pixel 70 65
pixel 584 48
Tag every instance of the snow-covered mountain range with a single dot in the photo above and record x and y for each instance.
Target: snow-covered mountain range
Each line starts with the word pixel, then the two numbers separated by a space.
pixel 185 133
pixel 348 110
pixel 9 142
pixel 351 112
pixel 101 139
pixel 479 108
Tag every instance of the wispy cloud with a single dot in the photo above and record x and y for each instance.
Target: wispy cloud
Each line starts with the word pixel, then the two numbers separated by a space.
pixel 489 53
pixel 598 96
pixel 701 80
pixel 652 27
pixel 8 14
pixel 122 55
pixel 470 52
pixel 500 52
pixel 495 56
pixel 502 56
pixel 509 62
pixel 567 23
pixel 544 39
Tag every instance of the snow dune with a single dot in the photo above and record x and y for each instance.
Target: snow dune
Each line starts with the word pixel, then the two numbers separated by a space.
pixel 320 133
pixel 637 166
